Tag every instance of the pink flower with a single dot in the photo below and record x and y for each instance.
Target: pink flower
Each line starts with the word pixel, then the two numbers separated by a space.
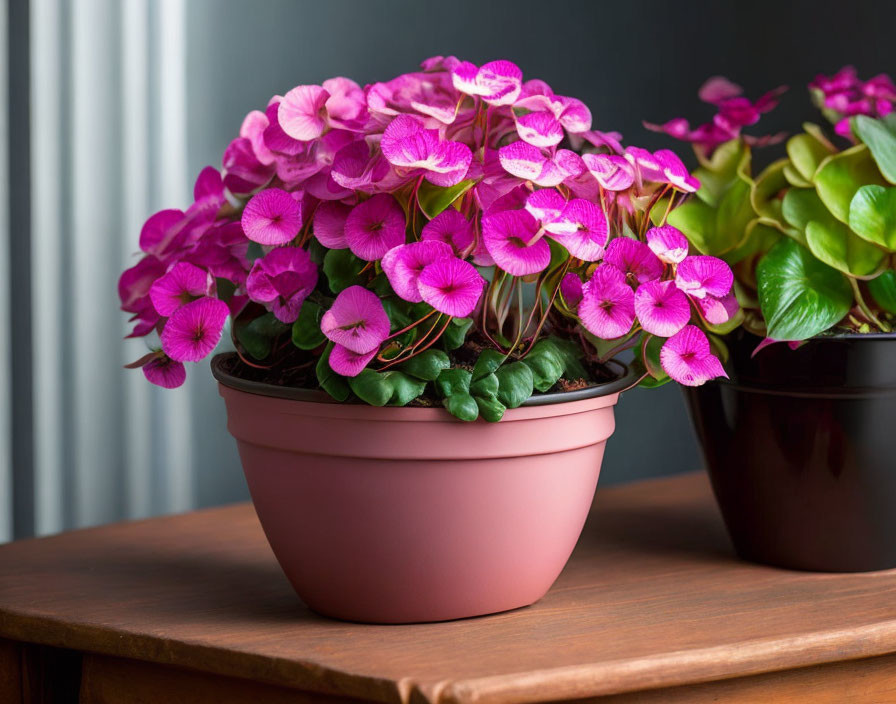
pixel 243 171
pixel 404 263
pixel 612 172
pixel 374 227
pixel 701 276
pixel 430 94
pixel 347 105
pixel 329 224
pixel 845 95
pixel 408 144
pixel 633 259
pixel 607 309
pixel 452 228
pixel 540 129
pixel 497 82
pixel 686 357
pixel 718 311
pixel 545 204
pixel 571 114
pixel 272 217
pixel 661 308
pixel 582 228
pixel 533 164
pixel 347 363
pixel 662 166
pixel 451 286
pixel 571 290
pixel 507 236
pixel 302 112
pixel 165 372
pixel 356 320
pixel 283 278
pixel 668 243
pixel 194 329
pixel 358 167
pixel 181 284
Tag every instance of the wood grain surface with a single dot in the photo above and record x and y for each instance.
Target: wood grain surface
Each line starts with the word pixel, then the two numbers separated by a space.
pixel 653 597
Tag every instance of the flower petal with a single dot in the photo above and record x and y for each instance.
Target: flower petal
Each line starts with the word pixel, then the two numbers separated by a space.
pixel 374 227
pixel 356 320
pixel 347 363
pixel 301 113
pixel 607 309
pixel 507 236
pixel 668 243
pixel 403 264
pixel 686 357
pixel 272 217
pixel 194 329
pixel 633 259
pixel 451 286
pixel 700 276
pixel 661 308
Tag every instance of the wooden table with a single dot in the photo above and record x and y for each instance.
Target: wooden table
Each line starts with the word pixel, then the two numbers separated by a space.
pixel 653 607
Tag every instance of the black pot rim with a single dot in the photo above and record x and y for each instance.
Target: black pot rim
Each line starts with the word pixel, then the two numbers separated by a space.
pixel 625 379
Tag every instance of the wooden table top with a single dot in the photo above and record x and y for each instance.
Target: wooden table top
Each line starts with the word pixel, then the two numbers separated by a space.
pixel 652 596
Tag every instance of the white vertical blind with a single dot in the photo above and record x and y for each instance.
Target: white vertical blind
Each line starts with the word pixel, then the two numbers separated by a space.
pixel 5 355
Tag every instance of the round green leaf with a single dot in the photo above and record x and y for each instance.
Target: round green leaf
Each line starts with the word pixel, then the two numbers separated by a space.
pixel 491 409
pixel 872 215
pixel 489 360
pixel 794 178
pixel 800 206
pixel 841 175
pixel 456 333
pixel 765 190
pixel 306 334
pixel 342 268
pixel 486 386
pixel 880 136
pixel 838 246
pixel 515 384
pixel 546 364
pixel 452 381
pixel 800 296
pixel 462 406
pixel 427 365
pixel 434 199
pixel 883 288
pixel 330 381
pixel 806 153
pixel 372 387
pixel 404 388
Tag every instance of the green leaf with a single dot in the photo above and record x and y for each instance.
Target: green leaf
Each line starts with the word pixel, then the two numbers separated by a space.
pixel 765 190
pixel 883 288
pixel 491 409
pixel 800 206
pixel 806 153
pixel 256 336
pixel 697 220
pixel 435 199
pixel 546 364
pixel 456 333
pixel 452 381
pixel 515 384
pixel 838 246
pixel 486 386
pixel 462 406
pixel 872 215
pixel 225 288
pixel 734 214
pixel 404 388
pixel 800 296
pixel 427 365
pixel 330 381
pixel 880 136
pixel 306 334
pixel 372 387
pixel 841 175
pixel 761 235
pixel 342 268
pixel 794 178
pixel 254 251
pixel 717 174
pixel 652 358
pixel 488 362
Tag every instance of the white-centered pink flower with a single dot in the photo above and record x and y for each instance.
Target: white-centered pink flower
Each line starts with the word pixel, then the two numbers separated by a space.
pixel 700 276
pixel 508 237
pixel 282 279
pixel 687 358
pixel 356 320
pixel 544 169
pixel 302 113
pixel 375 226
pixel 613 173
pixel 718 311
pixel 582 228
pixel 662 166
pixel 404 263
pixel 497 82
pixel 452 228
pixel 193 330
pixel 661 308
pixel 545 204
pixel 180 285
pixel 668 243
pixel 607 309
pixel 634 259
pixel 540 129
pixel 451 286
pixel 272 217
pixel 408 144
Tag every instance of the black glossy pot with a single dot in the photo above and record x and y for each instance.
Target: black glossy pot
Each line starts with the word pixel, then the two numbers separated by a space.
pixel 801 450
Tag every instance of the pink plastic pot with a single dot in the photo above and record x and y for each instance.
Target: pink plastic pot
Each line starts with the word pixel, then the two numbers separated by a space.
pixel 400 515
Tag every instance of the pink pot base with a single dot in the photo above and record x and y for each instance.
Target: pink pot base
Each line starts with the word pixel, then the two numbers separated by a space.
pixel 402 515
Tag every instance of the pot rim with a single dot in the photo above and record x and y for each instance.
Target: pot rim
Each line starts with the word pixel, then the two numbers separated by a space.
pixel 625 379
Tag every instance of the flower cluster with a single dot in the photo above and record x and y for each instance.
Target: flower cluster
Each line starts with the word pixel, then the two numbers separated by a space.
pixel 372 226
pixel 845 95
pixel 733 113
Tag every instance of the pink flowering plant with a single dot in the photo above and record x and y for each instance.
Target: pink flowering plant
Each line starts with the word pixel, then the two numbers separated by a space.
pixel 812 237
pixel 453 236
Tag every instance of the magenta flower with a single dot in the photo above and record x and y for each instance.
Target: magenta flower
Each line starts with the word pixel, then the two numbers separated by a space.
pixel 634 259
pixel 542 168
pixel 607 309
pixel 507 236
pixel 243 171
pixel 452 228
pixel 545 204
pixel 717 311
pixel 160 230
pixel 347 363
pixel 329 224
pixel 408 144
pixel 347 105
pixel 497 82
pixel 165 372
pixel 374 227
pixel 582 228
pixel 194 329
pixel 661 308
pixel 451 286
pixel 540 129
pixel 359 167
pixel 668 243
pixel 282 278
pixel 571 290
pixel 613 173
pixel 662 166
pixel 181 284
pixel 404 263
pixel 569 113
pixel 845 95
pixel 430 94
pixel 687 359
pixel 701 276
pixel 356 320
pixel 302 113
pixel 272 217
pixel 275 138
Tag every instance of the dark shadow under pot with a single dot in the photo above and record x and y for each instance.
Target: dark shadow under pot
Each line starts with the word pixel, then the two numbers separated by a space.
pixel 801 451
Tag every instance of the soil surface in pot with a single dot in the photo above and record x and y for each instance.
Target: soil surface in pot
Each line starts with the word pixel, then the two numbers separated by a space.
pixel 295 369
